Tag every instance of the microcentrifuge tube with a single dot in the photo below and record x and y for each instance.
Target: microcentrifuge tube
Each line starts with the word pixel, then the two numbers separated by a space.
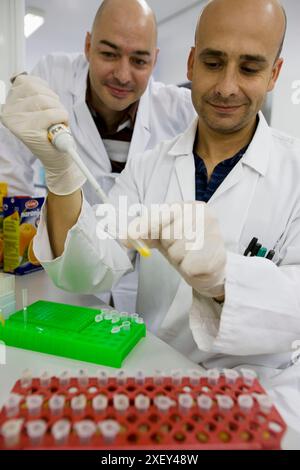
pixel 275 427
pixel 245 403
pixel 85 430
pixel 194 376
pixel 213 376
pixel 225 403
pixel 45 379
pixel 205 403
pixel 26 379
pixel 102 378
pixel 108 316
pixel 115 330
pixel 64 378
pixel 139 321
pixel 249 376
pixel 126 325
pixel 83 378
pixel 185 402
pixel 124 315
pixel 109 429
pixel 12 406
pixel 36 431
pixel 93 390
pixel 159 377
pixel 121 377
pixel 78 404
pixel 176 376
pixel 100 403
pixel 115 319
pixel 34 404
pixel 140 377
pixel 61 431
pixel 99 318
pixel 11 431
pixel 163 404
pixel 56 404
pixel 231 376
pixel 121 403
pixel 142 403
pixel 265 403
pixel 134 316
pixel 25 304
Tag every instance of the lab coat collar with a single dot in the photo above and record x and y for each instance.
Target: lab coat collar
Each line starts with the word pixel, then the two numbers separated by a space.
pixel 254 157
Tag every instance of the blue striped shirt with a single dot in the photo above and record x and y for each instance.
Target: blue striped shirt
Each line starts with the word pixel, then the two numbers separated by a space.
pixel 204 188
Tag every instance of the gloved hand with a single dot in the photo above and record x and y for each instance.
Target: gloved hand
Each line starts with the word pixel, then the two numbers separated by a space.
pixel 30 109
pixel 190 241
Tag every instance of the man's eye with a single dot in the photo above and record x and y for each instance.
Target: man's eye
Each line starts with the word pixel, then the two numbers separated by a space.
pixel 249 70
pixel 139 62
pixel 213 65
pixel 109 55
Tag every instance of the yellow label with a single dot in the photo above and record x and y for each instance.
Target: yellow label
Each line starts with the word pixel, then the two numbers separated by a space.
pixel 11 230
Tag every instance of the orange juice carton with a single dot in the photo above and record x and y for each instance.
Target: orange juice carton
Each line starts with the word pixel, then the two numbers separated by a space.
pixel 3 193
pixel 21 219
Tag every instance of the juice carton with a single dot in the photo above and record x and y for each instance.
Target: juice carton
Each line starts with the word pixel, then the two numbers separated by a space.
pixel 21 219
pixel 3 193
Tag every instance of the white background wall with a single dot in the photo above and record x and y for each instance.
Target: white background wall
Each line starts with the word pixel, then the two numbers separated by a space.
pixel 285 113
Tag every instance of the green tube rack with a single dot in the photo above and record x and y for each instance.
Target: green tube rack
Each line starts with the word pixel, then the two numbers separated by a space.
pixel 72 332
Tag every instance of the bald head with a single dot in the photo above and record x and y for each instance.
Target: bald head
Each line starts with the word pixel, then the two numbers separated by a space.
pixel 130 8
pixel 268 15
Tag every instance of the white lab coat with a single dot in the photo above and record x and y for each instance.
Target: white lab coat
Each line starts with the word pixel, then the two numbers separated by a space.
pixel 260 319
pixel 163 113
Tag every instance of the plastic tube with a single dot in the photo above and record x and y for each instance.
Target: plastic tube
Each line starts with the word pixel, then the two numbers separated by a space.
pixel 85 430
pixel 36 431
pixel 61 431
pixel 12 406
pixel 109 429
pixel 11 431
pixel 56 404
pixel 34 404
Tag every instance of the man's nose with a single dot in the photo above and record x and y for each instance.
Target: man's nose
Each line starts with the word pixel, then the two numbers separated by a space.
pixel 122 71
pixel 228 83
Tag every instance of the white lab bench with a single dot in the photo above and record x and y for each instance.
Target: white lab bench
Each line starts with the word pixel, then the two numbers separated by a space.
pixel 150 353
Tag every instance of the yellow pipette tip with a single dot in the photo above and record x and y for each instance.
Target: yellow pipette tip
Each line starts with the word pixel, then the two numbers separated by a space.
pixel 2 321
pixel 145 252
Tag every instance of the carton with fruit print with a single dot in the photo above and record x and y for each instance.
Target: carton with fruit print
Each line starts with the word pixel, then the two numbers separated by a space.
pixel 21 219
pixel 3 194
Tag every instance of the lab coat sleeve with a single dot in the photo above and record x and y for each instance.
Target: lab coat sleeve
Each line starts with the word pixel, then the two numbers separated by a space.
pixel 16 164
pixel 261 313
pixel 89 265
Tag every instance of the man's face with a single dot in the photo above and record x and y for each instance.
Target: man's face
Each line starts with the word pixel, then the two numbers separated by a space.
pixel 121 55
pixel 232 68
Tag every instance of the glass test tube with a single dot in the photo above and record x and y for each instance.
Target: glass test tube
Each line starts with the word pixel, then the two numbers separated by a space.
pixel 36 431
pixel 245 403
pixel 109 429
pixel 78 404
pixel 12 406
pixel 61 431
pixel 85 430
pixel 34 404
pixel 83 378
pixel 185 402
pixel 56 404
pixel 100 404
pixel 11 431
pixel 225 403
pixel 142 403
pixel 205 403
pixel 121 403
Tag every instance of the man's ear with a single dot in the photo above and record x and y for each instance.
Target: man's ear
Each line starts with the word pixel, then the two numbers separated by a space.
pixel 275 73
pixel 190 64
pixel 87 46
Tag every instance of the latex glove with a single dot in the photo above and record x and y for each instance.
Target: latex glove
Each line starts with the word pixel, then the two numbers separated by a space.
pixel 30 109
pixel 202 268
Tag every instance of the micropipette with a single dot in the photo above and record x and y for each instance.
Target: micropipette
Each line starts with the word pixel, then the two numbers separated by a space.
pixel 61 138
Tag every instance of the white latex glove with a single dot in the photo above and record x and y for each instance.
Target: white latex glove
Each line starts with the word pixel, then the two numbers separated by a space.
pixel 30 109
pixel 202 268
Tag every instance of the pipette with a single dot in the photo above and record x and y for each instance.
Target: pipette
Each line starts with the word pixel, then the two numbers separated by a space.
pixel 61 138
